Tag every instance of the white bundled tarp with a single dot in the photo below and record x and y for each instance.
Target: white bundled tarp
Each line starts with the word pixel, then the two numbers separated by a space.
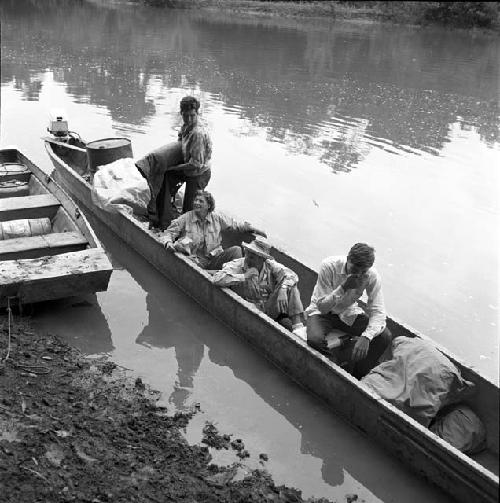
pixel 119 186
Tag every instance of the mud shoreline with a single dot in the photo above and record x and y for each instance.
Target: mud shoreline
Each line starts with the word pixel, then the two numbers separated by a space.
pixel 77 429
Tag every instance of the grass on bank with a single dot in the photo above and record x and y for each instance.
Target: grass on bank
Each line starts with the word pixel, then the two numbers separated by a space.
pixel 456 14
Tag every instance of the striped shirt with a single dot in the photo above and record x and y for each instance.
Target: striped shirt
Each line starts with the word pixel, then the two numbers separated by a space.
pixel 271 275
pixel 196 148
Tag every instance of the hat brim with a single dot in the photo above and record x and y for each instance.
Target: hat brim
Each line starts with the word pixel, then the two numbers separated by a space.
pixel 247 246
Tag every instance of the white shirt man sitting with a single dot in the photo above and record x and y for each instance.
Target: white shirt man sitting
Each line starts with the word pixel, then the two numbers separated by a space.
pixel 341 282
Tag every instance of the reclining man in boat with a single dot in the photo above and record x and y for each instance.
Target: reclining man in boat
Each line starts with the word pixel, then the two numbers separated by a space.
pixel 341 282
pixel 167 168
pixel 271 286
pixel 198 233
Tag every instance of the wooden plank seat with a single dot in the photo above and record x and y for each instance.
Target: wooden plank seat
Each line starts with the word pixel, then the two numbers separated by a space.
pixel 13 188
pixel 45 278
pixel 38 206
pixel 40 246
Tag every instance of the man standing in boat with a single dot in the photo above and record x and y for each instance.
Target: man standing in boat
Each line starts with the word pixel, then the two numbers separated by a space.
pixel 260 279
pixel 168 167
pixel 341 282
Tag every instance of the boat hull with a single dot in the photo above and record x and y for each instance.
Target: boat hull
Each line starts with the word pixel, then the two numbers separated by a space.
pixel 457 474
pixel 53 265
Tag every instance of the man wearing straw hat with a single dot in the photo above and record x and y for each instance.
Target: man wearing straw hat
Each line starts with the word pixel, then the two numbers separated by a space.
pixel 271 286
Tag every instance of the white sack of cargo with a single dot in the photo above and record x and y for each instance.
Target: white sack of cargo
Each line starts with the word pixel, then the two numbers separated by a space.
pixel 418 379
pixel 24 227
pixel 119 186
pixel 462 428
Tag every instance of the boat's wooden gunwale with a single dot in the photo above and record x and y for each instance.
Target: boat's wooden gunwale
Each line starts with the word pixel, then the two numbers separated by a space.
pixel 450 469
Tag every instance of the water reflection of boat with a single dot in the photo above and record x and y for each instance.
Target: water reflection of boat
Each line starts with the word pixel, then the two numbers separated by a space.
pixel 461 476
pixel 47 249
pixel 79 321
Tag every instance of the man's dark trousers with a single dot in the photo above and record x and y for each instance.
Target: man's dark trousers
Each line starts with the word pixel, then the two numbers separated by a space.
pixel 319 325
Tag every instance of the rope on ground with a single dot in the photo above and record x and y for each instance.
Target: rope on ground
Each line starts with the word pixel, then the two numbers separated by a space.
pixel 33 368
pixel 9 317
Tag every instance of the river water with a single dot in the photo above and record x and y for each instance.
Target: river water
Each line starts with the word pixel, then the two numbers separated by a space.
pixel 324 134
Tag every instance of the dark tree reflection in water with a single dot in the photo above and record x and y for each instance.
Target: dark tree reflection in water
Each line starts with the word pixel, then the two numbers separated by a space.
pixel 108 58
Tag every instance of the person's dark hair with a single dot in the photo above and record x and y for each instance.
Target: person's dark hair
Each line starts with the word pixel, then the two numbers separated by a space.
pixel 189 103
pixel 208 198
pixel 362 255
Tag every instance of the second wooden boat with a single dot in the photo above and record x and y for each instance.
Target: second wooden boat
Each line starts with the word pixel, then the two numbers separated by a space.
pixel 47 248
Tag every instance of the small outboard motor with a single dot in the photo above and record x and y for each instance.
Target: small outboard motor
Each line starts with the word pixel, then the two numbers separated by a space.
pixel 58 123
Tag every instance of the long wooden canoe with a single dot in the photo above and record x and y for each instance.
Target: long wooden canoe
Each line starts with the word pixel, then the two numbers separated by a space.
pixel 47 248
pixel 467 479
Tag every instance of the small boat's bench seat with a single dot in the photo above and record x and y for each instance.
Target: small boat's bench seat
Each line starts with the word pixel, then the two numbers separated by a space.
pixel 38 206
pixel 54 277
pixel 13 188
pixel 14 171
pixel 40 246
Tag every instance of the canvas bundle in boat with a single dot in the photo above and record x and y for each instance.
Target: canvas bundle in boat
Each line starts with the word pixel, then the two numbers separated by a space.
pixel 462 428
pixel 419 379
pixel 119 186
pixel 24 227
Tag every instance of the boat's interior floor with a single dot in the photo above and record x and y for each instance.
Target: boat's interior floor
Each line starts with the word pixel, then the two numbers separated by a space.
pixel 33 222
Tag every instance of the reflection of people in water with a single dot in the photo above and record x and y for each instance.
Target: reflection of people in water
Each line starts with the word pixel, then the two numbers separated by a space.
pixel 338 453
pixel 163 331
pixel 303 419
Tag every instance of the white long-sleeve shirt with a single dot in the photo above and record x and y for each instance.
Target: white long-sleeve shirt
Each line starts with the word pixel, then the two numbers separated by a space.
pixel 331 276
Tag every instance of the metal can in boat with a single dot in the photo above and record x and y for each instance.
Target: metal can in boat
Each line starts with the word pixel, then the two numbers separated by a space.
pixel 106 151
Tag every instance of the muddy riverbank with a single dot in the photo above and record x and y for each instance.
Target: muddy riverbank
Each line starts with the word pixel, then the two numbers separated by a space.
pixel 79 429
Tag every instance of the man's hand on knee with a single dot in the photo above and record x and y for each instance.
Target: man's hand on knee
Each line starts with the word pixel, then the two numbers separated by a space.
pixel 360 349
pixel 283 300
